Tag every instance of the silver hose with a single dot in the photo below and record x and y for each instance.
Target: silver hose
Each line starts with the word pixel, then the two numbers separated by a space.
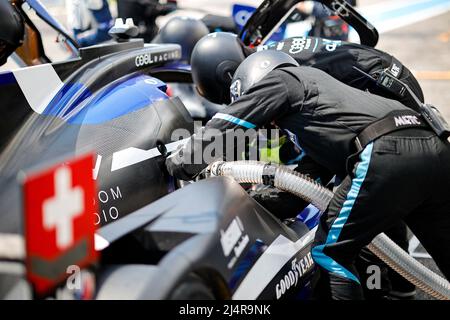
pixel 290 181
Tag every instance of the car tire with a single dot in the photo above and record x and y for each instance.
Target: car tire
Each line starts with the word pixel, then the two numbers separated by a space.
pixel 192 287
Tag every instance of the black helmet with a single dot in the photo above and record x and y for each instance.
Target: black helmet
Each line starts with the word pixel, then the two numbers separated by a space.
pixel 183 31
pixel 11 30
pixel 214 60
pixel 256 67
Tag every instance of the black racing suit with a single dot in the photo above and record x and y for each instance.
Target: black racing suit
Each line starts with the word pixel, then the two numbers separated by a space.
pixel 401 176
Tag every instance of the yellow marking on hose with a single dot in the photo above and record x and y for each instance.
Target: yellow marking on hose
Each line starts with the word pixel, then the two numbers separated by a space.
pixel 432 75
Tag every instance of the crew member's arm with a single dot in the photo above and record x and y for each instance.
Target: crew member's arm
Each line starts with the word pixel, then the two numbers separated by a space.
pixel 266 101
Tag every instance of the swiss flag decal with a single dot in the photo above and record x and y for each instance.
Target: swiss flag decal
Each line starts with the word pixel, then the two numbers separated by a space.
pixel 59 221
